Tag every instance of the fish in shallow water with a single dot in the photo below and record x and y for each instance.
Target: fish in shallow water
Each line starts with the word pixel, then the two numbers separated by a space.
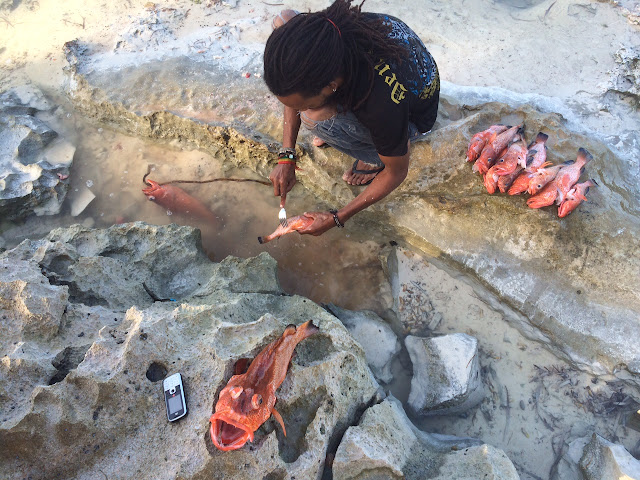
pixel 575 197
pixel 294 224
pixel 568 176
pixel 248 400
pixel 480 139
pixel 177 201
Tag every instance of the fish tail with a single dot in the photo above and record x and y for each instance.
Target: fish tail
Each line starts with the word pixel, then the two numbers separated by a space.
pixel 542 137
pixel 584 155
pixel 306 330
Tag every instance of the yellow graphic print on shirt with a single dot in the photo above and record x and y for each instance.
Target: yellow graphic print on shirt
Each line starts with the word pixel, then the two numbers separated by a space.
pixel 398 90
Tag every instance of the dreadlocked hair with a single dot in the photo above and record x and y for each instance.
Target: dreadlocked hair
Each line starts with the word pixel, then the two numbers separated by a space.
pixel 312 49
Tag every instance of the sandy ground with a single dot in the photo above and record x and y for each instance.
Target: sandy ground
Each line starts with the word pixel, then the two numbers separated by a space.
pixel 561 50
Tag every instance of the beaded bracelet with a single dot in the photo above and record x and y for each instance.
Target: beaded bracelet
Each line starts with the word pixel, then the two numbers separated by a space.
pixel 337 221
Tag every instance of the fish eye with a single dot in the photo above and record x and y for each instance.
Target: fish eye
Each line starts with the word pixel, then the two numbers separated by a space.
pixel 256 400
pixel 539 186
pixel 235 392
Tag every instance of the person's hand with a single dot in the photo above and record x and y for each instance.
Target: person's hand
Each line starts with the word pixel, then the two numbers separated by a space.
pixel 283 178
pixel 322 221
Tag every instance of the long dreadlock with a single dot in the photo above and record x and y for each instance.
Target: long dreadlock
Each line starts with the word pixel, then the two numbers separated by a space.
pixel 309 51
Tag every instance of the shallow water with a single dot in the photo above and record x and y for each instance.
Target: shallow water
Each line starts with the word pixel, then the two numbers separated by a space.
pixel 534 401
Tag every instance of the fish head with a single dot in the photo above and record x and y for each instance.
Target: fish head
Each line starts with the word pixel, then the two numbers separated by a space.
pixel 152 190
pixel 239 412
pixel 544 198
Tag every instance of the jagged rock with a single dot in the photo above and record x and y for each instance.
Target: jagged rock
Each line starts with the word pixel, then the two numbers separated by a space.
pixel 379 342
pixel 625 79
pixel 446 374
pixel 605 460
pixel 31 158
pixel 92 330
pixel 386 445
pixel 554 273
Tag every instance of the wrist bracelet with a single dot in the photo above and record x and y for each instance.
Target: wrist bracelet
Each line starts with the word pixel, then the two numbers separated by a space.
pixel 288 153
pixel 284 160
pixel 336 219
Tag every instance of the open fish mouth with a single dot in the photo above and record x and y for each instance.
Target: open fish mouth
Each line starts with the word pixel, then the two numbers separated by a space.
pixel 227 434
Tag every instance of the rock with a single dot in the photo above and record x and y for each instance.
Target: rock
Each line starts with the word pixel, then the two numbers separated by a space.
pixel 386 445
pixel 31 158
pixel 549 276
pixel 605 460
pixel 89 331
pixel 483 461
pixel 411 300
pixel 446 375
pixel 625 78
pixel 80 200
pixel 379 342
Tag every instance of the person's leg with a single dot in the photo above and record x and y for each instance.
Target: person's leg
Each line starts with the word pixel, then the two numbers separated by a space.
pixel 344 132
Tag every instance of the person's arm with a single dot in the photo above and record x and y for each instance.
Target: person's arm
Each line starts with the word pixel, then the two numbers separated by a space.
pixel 283 176
pixel 394 173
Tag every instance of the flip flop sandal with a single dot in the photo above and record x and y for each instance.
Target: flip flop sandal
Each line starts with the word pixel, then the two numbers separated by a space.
pixel 365 172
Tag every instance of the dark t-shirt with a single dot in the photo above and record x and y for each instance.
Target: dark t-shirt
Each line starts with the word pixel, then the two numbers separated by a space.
pixel 403 92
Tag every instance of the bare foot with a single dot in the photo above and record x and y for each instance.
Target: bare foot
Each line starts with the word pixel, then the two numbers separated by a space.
pixel 353 178
pixel 318 142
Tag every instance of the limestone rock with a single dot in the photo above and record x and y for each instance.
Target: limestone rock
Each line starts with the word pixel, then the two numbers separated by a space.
pixel 31 159
pixel 550 276
pixel 604 460
pixel 386 445
pixel 97 318
pixel 378 340
pixel 446 375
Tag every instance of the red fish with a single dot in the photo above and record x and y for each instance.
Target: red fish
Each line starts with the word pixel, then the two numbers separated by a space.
pixel 494 148
pixel 490 180
pixel 479 140
pixel 516 155
pixel 178 201
pixel 546 196
pixel 575 197
pixel 569 175
pixel 248 400
pixel 542 177
pixel 294 224
pixel 536 159
pixel 505 181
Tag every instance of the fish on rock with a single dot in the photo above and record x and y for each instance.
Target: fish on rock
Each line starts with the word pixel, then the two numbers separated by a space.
pixel 479 140
pixel 490 179
pixel 248 400
pixel 568 176
pixel 546 196
pixel 178 201
pixel 494 149
pixel 294 224
pixel 516 155
pixel 575 197
pixel 542 177
pixel 536 159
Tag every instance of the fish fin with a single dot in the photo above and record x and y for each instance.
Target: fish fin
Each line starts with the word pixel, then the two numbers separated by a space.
pixel 584 154
pixel 582 197
pixel 241 366
pixel 542 137
pixel 278 417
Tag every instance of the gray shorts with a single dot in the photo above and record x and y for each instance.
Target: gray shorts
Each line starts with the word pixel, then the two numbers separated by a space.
pixel 345 133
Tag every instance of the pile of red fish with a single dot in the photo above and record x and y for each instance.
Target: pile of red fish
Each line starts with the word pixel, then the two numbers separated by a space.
pixel 506 163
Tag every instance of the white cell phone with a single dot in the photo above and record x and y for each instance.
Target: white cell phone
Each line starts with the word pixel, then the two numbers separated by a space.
pixel 174 397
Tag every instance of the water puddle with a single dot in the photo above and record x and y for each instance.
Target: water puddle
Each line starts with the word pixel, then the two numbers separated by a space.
pixel 535 403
